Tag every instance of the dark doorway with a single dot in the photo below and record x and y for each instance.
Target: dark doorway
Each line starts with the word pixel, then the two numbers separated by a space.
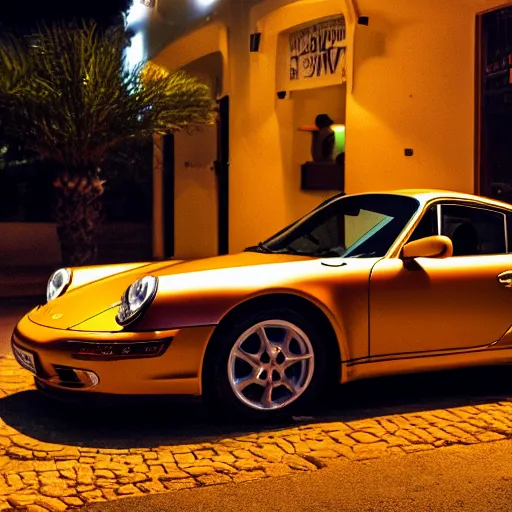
pixel 494 158
pixel 222 173
pixel 168 194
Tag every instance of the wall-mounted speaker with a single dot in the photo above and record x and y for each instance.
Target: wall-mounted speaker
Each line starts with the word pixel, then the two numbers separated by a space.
pixel 254 42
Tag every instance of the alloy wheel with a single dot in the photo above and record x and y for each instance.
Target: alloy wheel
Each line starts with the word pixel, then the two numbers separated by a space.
pixel 270 365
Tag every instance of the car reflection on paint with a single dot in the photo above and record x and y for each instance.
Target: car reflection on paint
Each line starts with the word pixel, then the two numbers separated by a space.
pixel 364 285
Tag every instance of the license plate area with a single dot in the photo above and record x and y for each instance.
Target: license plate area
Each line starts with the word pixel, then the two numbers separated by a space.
pixel 25 359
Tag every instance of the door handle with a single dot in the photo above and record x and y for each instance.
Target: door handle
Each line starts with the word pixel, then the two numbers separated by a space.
pixel 505 278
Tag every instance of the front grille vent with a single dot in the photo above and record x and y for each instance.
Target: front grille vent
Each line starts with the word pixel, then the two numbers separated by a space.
pixel 68 377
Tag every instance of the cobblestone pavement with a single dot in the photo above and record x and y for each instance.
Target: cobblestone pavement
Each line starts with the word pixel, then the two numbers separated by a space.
pixel 38 476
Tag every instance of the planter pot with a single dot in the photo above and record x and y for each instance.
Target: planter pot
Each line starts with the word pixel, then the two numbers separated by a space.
pixel 322 176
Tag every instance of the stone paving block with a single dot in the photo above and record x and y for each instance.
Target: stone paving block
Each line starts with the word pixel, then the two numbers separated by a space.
pixel 370 451
pixel 247 464
pixel 273 469
pixel 334 427
pixel 73 501
pixel 486 437
pixel 128 489
pixel 301 447
pixel 422 434
pixel 204 454
pixel 35 508
pixel 400 422
pixel 21 500
pixel 214 479
pixel 363 437
pixel 52 504
pixel 445 415
pixel 342 438
pixel 388 425
pixel 462 436
pixel 184 458
pixel 296 462
pixel 409 435
pixel 151 486
pixel 180 484
pixel 441 434
pixel 199 470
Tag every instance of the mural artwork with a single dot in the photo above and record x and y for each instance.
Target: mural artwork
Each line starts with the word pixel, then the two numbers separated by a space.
pixel 318 50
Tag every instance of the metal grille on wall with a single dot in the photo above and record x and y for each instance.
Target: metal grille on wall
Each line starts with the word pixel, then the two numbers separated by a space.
pixel 319 50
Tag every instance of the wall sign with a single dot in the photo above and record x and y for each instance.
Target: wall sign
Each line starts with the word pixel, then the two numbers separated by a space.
pixel 318 50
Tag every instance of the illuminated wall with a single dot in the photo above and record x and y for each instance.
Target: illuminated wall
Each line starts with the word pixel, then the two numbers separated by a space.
pixel 410 84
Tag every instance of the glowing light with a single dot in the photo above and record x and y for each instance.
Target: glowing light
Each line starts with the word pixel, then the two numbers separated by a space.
pixel 339 137
pixel 135 53
pixel 138 12
pixel 205 3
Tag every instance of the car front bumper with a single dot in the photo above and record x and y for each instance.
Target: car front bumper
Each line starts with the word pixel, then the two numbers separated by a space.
pixel 51 355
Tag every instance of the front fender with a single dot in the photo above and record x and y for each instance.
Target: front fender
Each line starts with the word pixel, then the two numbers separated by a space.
pixel 85 275
pixel 204 298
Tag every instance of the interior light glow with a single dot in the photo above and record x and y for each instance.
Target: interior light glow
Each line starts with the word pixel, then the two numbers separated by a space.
pixel 205 3
pixel 339 137
pixel 138 12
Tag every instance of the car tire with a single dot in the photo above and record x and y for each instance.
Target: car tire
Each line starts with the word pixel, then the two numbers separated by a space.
pixel 237 357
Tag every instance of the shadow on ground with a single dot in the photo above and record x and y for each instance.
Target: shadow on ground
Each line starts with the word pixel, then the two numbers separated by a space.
pixel 166 422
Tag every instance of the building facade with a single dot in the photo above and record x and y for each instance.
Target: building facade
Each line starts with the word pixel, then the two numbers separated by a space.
pixel 417 92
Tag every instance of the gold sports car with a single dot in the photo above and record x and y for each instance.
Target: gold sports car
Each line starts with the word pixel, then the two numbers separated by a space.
pixel 364 285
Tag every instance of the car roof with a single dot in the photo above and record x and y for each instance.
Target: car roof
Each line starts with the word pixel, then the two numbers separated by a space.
pixel 427 195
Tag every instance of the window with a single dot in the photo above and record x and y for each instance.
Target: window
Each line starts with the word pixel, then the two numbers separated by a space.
pixel 359 226
pixel 427 225
pixel 473 231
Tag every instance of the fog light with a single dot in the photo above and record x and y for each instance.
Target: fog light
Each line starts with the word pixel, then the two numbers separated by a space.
pixel 93 378
pixel 119 350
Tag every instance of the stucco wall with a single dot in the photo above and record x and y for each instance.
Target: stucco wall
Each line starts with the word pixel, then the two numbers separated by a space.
pixel 411 76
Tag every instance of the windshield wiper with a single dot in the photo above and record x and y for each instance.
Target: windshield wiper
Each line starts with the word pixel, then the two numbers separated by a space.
pixel 261 247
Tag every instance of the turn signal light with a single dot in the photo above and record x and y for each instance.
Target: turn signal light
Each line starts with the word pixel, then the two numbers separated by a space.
pixel 119 350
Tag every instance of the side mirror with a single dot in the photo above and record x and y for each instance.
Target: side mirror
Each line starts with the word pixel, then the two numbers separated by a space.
pixel 429 247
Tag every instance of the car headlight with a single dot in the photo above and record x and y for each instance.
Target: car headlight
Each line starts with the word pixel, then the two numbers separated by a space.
pixel 137 296
pixel 57 283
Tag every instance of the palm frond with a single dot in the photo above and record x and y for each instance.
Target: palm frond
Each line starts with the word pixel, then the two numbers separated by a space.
pixel 69 95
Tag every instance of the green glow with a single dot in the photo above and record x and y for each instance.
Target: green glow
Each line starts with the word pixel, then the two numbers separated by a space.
pixel 339 138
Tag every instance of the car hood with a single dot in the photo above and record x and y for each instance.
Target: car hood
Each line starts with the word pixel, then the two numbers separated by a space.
pixel 82 303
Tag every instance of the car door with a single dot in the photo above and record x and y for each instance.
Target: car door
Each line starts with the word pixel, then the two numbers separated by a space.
pixel 445 304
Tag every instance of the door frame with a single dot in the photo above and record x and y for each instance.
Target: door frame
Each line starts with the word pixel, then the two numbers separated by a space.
pixel 221 166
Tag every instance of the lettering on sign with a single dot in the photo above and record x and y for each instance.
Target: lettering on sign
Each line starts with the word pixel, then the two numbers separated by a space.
pixel 318 50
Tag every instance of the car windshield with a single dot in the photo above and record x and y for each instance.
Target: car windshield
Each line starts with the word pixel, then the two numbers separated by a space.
pixel 359 226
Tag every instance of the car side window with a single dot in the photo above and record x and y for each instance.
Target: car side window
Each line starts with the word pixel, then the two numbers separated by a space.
pixel 427 225
pixel 473 231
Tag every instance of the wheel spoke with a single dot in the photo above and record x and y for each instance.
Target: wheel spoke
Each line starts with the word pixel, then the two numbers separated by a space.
pixel 287 383
pixel 286 343
pixel 252 359
pixel 266 399
pixel 291 360
pixel 247 381
pixel 265 342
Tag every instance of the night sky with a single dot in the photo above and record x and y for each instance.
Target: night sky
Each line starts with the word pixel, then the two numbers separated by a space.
pixel 25 14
